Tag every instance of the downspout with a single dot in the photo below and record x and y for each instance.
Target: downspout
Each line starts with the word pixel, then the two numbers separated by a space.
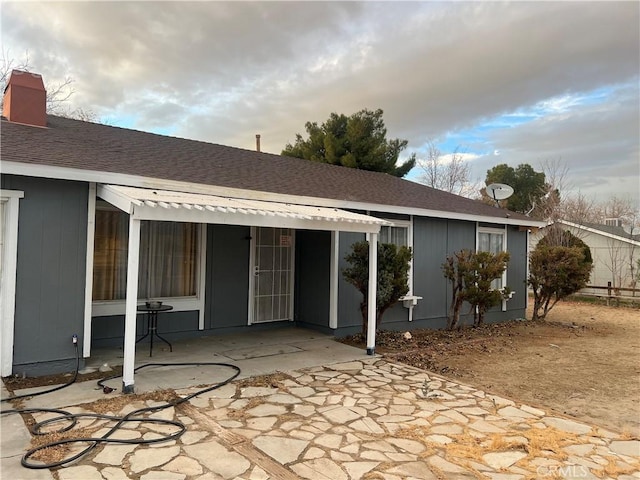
pixel 133 261
pixel 371 297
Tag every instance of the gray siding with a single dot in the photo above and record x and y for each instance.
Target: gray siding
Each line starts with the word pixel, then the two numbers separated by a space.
pixel 313 269
pixel 50 276
pixel 429 251
pixel 517 270
pixel 109 331
pixel 434 239
pixel 227 297
pixel 349 298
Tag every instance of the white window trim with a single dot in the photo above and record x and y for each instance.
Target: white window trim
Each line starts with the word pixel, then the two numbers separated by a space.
pixel 408 224
pixel 105 308
pixel 496 231
pixel 9 269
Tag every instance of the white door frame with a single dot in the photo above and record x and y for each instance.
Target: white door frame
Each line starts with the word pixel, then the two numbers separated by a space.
pixel 252 276
pixel 11 198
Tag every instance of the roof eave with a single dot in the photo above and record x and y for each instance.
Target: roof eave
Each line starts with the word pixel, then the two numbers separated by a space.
pixel 77 174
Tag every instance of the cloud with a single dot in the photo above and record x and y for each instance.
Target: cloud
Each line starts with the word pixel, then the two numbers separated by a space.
pixel 516 75
pixel 597 142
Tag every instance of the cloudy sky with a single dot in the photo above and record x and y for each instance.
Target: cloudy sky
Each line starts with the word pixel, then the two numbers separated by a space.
pixel 506 82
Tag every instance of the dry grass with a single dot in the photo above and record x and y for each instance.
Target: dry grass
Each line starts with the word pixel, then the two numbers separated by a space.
pixel 613 469
pixel 550 439
pixel 465 447
pixel 273 380
pixel 104 406
pixel 241 413
pixel 116 403
pixel 59 452
pixel 628 435
pixel 499 443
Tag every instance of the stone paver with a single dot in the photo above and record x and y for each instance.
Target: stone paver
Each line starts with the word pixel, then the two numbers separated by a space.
pixel 362 419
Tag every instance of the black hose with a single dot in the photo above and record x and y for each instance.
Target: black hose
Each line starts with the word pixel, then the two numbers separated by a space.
pixel 93 442
pixel 54 389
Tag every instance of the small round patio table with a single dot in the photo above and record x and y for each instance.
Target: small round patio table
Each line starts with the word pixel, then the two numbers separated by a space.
pixel 152 324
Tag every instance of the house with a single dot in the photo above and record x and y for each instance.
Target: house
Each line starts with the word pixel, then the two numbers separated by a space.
pixel 233 239
pixel 615 252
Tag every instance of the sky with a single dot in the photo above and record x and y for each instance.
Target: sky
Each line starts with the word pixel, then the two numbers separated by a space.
pixel 503 82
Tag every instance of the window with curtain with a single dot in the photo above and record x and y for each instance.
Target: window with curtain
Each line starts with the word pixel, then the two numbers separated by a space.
pixel 168 257
pixel 398 234
pixel 493 242
pixel 395 235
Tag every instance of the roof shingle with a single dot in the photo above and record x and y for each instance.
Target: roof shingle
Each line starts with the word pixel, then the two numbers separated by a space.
pixel 90 146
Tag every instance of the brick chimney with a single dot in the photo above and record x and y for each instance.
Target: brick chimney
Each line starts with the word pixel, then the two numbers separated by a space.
pixel 25 99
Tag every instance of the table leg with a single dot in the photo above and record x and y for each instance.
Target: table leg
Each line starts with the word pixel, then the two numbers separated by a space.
pixel 148 331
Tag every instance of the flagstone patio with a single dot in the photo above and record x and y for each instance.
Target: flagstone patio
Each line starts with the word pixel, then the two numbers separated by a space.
pixel 362 419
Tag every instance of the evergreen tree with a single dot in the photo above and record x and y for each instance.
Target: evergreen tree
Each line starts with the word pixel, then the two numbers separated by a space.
pixel 357 141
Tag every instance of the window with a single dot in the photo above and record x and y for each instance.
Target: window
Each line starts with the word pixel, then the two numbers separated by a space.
pixel 397 235
pixel 168 257
pixel 400 234
pixel 492 240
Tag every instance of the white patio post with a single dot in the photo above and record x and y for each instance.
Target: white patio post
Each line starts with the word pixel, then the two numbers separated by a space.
pixel 133 260
pixel 371 297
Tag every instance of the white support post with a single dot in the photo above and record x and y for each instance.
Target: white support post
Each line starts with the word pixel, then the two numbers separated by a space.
pixel 371 297
pixel 133 261
pixel 11 204
pixel 333 280
pixel 88 282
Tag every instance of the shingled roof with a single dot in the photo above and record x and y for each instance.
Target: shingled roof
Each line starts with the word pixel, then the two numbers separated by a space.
pixel 94 147
pixel 612 230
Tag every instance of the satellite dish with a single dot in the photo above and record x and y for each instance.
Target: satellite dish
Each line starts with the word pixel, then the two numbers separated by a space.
pixel 499 191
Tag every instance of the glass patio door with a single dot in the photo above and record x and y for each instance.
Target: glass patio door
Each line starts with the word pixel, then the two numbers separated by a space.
pixel 272 274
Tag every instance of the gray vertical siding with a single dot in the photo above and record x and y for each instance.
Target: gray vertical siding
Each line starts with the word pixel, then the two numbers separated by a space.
pixel 517 269
pixel 50 277
pixel 108 331
pixel 434 239
pixel 429 251
pixel 313 269
pixel 227 297
pixel 349 316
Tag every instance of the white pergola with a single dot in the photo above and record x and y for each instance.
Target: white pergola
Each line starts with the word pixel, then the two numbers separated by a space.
pixel 163 205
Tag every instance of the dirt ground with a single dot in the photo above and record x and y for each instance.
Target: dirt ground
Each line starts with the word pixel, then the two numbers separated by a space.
pixel 583 361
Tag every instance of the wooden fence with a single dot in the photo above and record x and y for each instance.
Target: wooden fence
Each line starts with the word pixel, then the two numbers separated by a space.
pixel 611 292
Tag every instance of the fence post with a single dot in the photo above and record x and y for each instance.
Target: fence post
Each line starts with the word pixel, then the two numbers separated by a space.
pixel 608 293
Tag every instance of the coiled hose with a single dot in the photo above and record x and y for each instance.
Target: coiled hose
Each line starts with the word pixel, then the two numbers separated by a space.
pixel 71 419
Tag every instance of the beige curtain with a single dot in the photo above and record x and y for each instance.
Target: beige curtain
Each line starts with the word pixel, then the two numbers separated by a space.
pixel 110 255
pixel 168 256
pixel 168 253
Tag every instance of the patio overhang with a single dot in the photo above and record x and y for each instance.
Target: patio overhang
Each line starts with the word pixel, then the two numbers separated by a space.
pixel 165 205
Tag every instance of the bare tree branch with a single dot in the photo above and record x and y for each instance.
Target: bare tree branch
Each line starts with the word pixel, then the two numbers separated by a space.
pixel 58 94
pixel 448 172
